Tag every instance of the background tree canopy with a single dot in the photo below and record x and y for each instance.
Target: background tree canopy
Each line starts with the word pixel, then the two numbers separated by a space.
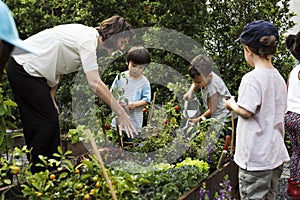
pixel 214 24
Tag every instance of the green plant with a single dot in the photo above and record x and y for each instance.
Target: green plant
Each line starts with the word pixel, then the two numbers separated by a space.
pixel 77 135
pixel 5 112
pixel 13 169
pixel 205 141
pixel 203 166
pixel 75 180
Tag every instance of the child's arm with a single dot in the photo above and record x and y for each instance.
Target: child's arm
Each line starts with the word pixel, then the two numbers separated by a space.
pixel 145 98
pixel 206 114
pixel 212 106
pixel 231 104
pixel 189 93
pixel 134 105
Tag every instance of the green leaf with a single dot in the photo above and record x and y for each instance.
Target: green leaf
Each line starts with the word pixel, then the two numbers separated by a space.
pixel 7 181
pixel 63 175
pixel 10 103
pixel 2 110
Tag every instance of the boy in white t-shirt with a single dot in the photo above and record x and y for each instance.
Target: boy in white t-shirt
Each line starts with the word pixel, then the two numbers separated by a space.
pixel 260 150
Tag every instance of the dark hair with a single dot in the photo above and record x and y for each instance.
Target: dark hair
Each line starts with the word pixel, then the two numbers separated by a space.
pixel 269 44
pixel 293 44
pixel 138 55
pixel 200 65
pixel 112 27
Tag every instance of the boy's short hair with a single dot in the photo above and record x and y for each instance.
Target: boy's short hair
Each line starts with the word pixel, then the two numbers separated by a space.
pixel 200 65
pixel 138 55
pixel 293 44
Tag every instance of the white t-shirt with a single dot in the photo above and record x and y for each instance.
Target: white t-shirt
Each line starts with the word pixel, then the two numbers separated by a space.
pixel 260 138
pixel 293 100
pixel 63 49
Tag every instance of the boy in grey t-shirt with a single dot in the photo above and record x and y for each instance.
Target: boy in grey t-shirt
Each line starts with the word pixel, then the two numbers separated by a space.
pixel 213 89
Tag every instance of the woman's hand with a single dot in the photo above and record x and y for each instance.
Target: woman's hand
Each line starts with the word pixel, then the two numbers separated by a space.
pixel 124 122
pixel 102 91
pixel 56 106
pixel 52 94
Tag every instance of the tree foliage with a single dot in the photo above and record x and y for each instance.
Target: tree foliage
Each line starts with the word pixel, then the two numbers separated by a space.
pixel 214 24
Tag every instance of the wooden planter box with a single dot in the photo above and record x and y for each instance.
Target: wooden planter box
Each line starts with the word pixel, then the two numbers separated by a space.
pixel 78 149
pixel 11 192
pixel 213 182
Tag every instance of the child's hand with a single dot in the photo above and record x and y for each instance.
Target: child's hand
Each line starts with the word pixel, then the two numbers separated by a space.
pixel 187 96
pixel 194 120
pixel 131 106
pixel 229 102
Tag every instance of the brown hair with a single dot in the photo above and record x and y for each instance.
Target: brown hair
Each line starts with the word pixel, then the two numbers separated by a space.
pixel 111 27
pixel 200 65
pixel 269 46
pixel 293 44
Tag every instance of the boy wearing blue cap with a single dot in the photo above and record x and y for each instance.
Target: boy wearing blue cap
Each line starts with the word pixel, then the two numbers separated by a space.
pixel 260 150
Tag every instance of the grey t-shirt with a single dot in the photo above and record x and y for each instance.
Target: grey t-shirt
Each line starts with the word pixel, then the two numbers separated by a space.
pixel 216 85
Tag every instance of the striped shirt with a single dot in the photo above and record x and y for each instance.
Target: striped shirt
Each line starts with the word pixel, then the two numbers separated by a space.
pixel 132 91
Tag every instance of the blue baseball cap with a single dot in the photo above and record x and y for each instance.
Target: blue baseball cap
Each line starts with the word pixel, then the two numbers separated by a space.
pixel 255 30
pixel 9 32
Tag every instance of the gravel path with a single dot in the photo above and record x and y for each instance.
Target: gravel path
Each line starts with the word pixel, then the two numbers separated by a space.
pixel 281 194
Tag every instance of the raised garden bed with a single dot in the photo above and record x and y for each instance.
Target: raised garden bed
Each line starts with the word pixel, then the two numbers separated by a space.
pixel 213 182
pixel 12 192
